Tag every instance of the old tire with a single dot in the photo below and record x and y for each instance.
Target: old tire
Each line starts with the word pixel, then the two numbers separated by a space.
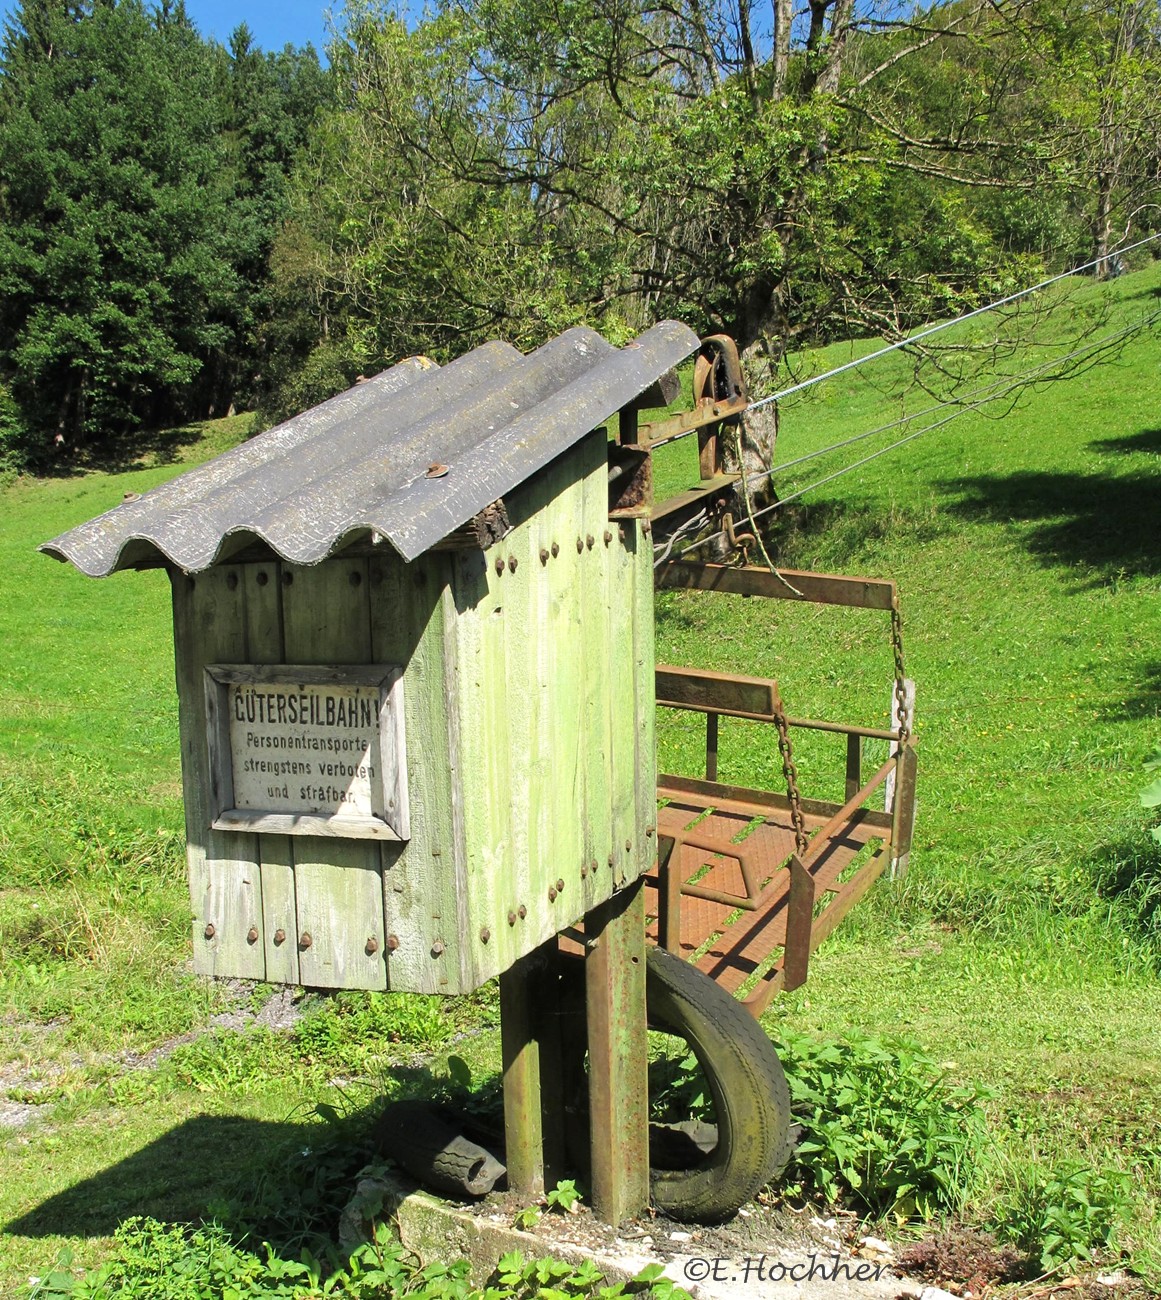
pixel 745 1078
pixel 434 1153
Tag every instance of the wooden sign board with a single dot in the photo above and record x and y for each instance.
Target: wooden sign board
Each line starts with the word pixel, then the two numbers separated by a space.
pixel 307 750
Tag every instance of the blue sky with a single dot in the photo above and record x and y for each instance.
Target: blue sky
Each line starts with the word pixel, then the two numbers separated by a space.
pixel 274 23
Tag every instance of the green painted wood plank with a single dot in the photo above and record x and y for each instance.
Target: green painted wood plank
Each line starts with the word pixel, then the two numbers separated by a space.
pixel 262 592
pixel 225 888
pixel 419 877
pixel 338 883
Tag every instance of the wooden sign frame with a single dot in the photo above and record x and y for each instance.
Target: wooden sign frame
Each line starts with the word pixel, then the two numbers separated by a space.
pixel 389 782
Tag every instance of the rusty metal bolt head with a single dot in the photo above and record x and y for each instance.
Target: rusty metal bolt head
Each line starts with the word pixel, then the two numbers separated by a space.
pixel 559 886
pixel 610 859
pixel 544 555
pixel 287 578
pixel 252 934
pixel 304 940
pixel 646 526
pixel 511 918
pixel 584 871
pixel 649 830
pixel 589 541
pixel 262 577
pixel 621 532
pixel 279 937
pixel 354 577
pixel 485 935
pixel 437 948
pixel 628 846
pixel 512 562
pixel 608 537
pixel 555 550
pixel 392 942
pixel 551 894
pixel 593 865
pixel 231 581
pixel 211 930
pixel 499 565
pixel 372 946
pixel 436 470
pixel 580 545
pixel 522 911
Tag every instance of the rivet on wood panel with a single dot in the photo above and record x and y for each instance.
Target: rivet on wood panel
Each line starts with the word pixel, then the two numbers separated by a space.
pixel 593 865
pixel 372 946
pixel 608 537
pixel 252 934
pixel 512 564
pixel 580 545
pixel 544 555
pixel 555 550
pixel 499 565
pixel 437 948
pixel 610 859
pixel 649 831
pixel 211 930
pixel 304 940
pixel 551 894
pixel 231 581
pixel 279 936
pixel 262 577
pixel 589 541
pixel 287 577
pixel 511 918
pixel 621 532
pixel 646 526
pixel 522 911
pixel 559 886
pixel 628 846
pixel 584 871
pixel 485 935
pixel 392 942
pixel 355 577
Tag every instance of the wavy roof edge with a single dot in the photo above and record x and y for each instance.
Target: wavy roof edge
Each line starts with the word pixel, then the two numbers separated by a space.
pixel 357 464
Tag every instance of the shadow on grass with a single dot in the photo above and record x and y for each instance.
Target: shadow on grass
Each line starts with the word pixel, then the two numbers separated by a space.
pixel 1144 701
pixel 1127 873
pixel 184 1176
pixel 1148 440
pixel 1106 523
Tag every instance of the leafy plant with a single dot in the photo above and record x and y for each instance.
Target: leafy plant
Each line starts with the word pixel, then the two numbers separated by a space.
pixel 158 1261
pixel 882 1128
pixel 1065 1213
pixel 1151 795
pixel 564 1196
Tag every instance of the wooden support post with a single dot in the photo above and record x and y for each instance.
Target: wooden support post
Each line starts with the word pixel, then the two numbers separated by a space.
pixel 669 876
pixel 521 1057
pixel 854 765
pixel 550 1039
pixel 711 746
pixel 618 1055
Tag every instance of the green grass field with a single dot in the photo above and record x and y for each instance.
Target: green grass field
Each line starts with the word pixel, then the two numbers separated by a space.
pixel 1022 950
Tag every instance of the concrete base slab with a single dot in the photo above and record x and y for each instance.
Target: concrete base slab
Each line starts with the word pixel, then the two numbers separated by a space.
pixel 436 1230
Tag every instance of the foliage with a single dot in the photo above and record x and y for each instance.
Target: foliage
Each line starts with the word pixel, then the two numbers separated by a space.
pixel 883 1129
pixel 1151 795
pixel 157 1261
pixel 1065 1213
pixel 342 1028
pixel 141 176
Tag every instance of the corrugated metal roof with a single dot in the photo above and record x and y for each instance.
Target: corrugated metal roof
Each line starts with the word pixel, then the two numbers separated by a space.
pixel 358 463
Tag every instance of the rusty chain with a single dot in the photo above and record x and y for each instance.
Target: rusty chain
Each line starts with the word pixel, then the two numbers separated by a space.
pixel 900 718
pixel 790 772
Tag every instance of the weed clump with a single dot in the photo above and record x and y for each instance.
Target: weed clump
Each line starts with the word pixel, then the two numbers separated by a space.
pixel 883 1129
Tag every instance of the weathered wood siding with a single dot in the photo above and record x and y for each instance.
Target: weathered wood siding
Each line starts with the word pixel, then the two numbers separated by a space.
pixel 528 695
pixel 551 680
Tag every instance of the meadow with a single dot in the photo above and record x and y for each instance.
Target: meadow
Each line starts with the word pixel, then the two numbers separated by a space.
pixel 1021 952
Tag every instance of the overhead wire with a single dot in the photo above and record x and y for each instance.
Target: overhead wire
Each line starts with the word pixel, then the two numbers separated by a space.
pixel 945 325
pixel 962 408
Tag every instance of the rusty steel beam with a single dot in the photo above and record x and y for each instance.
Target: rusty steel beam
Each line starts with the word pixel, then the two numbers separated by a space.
pixel 750 580
pixel 729 694
pixel 618 1055
pixel 754 803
